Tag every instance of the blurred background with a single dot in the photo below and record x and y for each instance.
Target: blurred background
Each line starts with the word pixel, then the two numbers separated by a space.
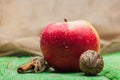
pixel 26 18
pixel 21 23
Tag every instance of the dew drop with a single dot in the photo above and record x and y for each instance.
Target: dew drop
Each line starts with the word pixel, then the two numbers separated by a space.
pixel 66 47
pixel 87 41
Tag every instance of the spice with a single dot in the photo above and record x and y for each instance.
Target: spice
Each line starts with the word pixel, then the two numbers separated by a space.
pixel 37 64
pixel 91 63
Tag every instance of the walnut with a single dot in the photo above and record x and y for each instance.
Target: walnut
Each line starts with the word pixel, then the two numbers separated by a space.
pixel 91 63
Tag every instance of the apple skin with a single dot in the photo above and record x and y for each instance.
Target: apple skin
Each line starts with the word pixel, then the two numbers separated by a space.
pixel 63 43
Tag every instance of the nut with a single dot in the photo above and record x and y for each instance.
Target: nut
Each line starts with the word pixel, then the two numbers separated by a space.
pixel 91 63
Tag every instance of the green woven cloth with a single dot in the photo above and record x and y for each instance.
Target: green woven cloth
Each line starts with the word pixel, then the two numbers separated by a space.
pixel 8 66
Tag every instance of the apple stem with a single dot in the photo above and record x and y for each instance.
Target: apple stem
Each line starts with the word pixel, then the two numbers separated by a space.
pixel 65 20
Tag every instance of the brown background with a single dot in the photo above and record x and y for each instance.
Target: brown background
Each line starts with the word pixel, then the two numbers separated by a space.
pixel 24 18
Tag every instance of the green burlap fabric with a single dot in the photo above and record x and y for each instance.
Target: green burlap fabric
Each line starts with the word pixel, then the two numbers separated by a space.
pixel 8 66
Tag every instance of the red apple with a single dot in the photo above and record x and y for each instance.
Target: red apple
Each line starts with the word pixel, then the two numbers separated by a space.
pixel 63 43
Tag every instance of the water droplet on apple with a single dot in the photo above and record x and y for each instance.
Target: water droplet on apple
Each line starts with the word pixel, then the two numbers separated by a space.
pixel 87 41
pixel 66 47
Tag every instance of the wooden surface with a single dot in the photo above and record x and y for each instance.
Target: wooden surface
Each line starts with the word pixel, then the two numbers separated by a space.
pixel 8 66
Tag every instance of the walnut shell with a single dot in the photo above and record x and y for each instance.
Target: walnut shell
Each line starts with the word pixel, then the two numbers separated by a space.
pixel 91 63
